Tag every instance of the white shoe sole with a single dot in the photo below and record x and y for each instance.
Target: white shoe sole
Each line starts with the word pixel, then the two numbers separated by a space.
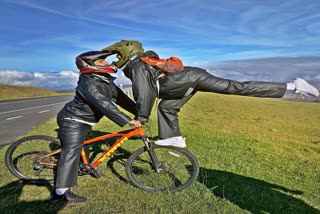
pixel 304 87
pixel 173 145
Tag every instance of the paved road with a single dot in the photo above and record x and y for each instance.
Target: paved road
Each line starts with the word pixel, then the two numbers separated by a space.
pixel 19 116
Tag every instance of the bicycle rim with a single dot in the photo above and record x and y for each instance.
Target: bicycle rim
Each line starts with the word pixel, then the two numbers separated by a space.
pixel 28 159
pixel 178 169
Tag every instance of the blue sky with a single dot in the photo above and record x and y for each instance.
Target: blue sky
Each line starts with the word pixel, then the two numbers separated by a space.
pixel 37 35
pixel 39 39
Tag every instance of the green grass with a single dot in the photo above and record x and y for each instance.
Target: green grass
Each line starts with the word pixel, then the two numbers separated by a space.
pixel 255 155
pixel 11 92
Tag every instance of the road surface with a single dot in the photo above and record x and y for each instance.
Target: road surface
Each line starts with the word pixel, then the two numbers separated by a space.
pixel 19 116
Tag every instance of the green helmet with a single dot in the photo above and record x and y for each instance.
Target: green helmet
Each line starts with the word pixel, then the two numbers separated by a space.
pixel 126 49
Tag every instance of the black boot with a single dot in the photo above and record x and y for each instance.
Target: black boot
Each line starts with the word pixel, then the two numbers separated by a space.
pixel 68 197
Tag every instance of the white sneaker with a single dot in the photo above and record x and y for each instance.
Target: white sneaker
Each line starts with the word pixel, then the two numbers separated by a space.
pixel 172 141
pixel 303 87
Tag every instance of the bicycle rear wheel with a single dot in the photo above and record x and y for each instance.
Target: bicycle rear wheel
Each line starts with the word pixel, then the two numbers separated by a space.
pixel 178 169
pixel 28 158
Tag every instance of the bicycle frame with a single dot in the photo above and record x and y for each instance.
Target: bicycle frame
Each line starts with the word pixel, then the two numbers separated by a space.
pixel 125 135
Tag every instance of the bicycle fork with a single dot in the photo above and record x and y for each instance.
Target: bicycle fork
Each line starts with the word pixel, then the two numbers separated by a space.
pixel 156 164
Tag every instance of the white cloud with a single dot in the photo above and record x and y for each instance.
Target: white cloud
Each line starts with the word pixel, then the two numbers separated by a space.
pixel 51 80
pixel 317 77
pixel 269 69
pixel 70 74
pixel 38 75
pixel 266 69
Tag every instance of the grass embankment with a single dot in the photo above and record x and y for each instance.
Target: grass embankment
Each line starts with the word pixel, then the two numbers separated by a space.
pixel 12 92
pixel 256 156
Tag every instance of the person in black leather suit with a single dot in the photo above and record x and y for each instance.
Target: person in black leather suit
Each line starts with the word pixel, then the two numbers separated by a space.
pixel 96 96
pixel 176 89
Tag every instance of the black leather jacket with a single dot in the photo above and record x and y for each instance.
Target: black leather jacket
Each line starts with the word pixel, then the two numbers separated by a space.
pixel 95 97
pixel 178 85
pixel 173 86
pixel 143 87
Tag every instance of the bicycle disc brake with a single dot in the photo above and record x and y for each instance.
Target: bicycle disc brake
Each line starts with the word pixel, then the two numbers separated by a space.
pixel 161 168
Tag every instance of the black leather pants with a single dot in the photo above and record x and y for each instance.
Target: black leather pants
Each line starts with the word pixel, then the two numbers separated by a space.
pixel 210 83
pixel 72 135
pixel 168 109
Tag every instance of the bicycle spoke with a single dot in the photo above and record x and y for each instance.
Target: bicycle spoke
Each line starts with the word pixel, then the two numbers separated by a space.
pixel 28 159
pixel 173 172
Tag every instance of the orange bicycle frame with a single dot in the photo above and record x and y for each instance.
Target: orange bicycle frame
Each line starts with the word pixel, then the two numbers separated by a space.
pixel 124 135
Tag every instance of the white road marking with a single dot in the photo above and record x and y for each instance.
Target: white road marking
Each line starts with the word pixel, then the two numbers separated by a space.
pixel 40 112
pixel 12 118
pixel 30 100
pixel 31 108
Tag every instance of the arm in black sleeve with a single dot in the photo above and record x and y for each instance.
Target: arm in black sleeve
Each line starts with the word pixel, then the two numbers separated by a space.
pixel 125 102
pixel 92 91
pixel 144 91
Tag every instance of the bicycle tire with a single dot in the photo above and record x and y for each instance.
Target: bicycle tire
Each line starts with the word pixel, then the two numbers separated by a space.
pixel 180 169
pixel 25 159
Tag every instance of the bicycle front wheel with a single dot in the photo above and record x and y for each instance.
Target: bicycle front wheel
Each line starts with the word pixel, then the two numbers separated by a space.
pixel 31 158
pixel 177 169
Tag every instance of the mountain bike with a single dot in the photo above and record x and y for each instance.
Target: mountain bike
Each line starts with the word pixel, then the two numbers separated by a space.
pixel 153 168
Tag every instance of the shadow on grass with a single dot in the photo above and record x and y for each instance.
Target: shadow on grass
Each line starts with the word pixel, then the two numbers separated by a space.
pixel 254 195
pixel 11 192
pixel 10 202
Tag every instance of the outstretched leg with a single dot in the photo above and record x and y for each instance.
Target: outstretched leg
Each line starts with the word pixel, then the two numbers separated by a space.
pixel 210 83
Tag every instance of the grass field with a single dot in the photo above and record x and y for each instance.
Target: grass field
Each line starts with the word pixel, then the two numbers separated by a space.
pixel 11 92
pixel 255 155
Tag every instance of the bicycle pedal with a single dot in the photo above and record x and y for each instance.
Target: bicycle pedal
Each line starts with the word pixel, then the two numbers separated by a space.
pixel 96 173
